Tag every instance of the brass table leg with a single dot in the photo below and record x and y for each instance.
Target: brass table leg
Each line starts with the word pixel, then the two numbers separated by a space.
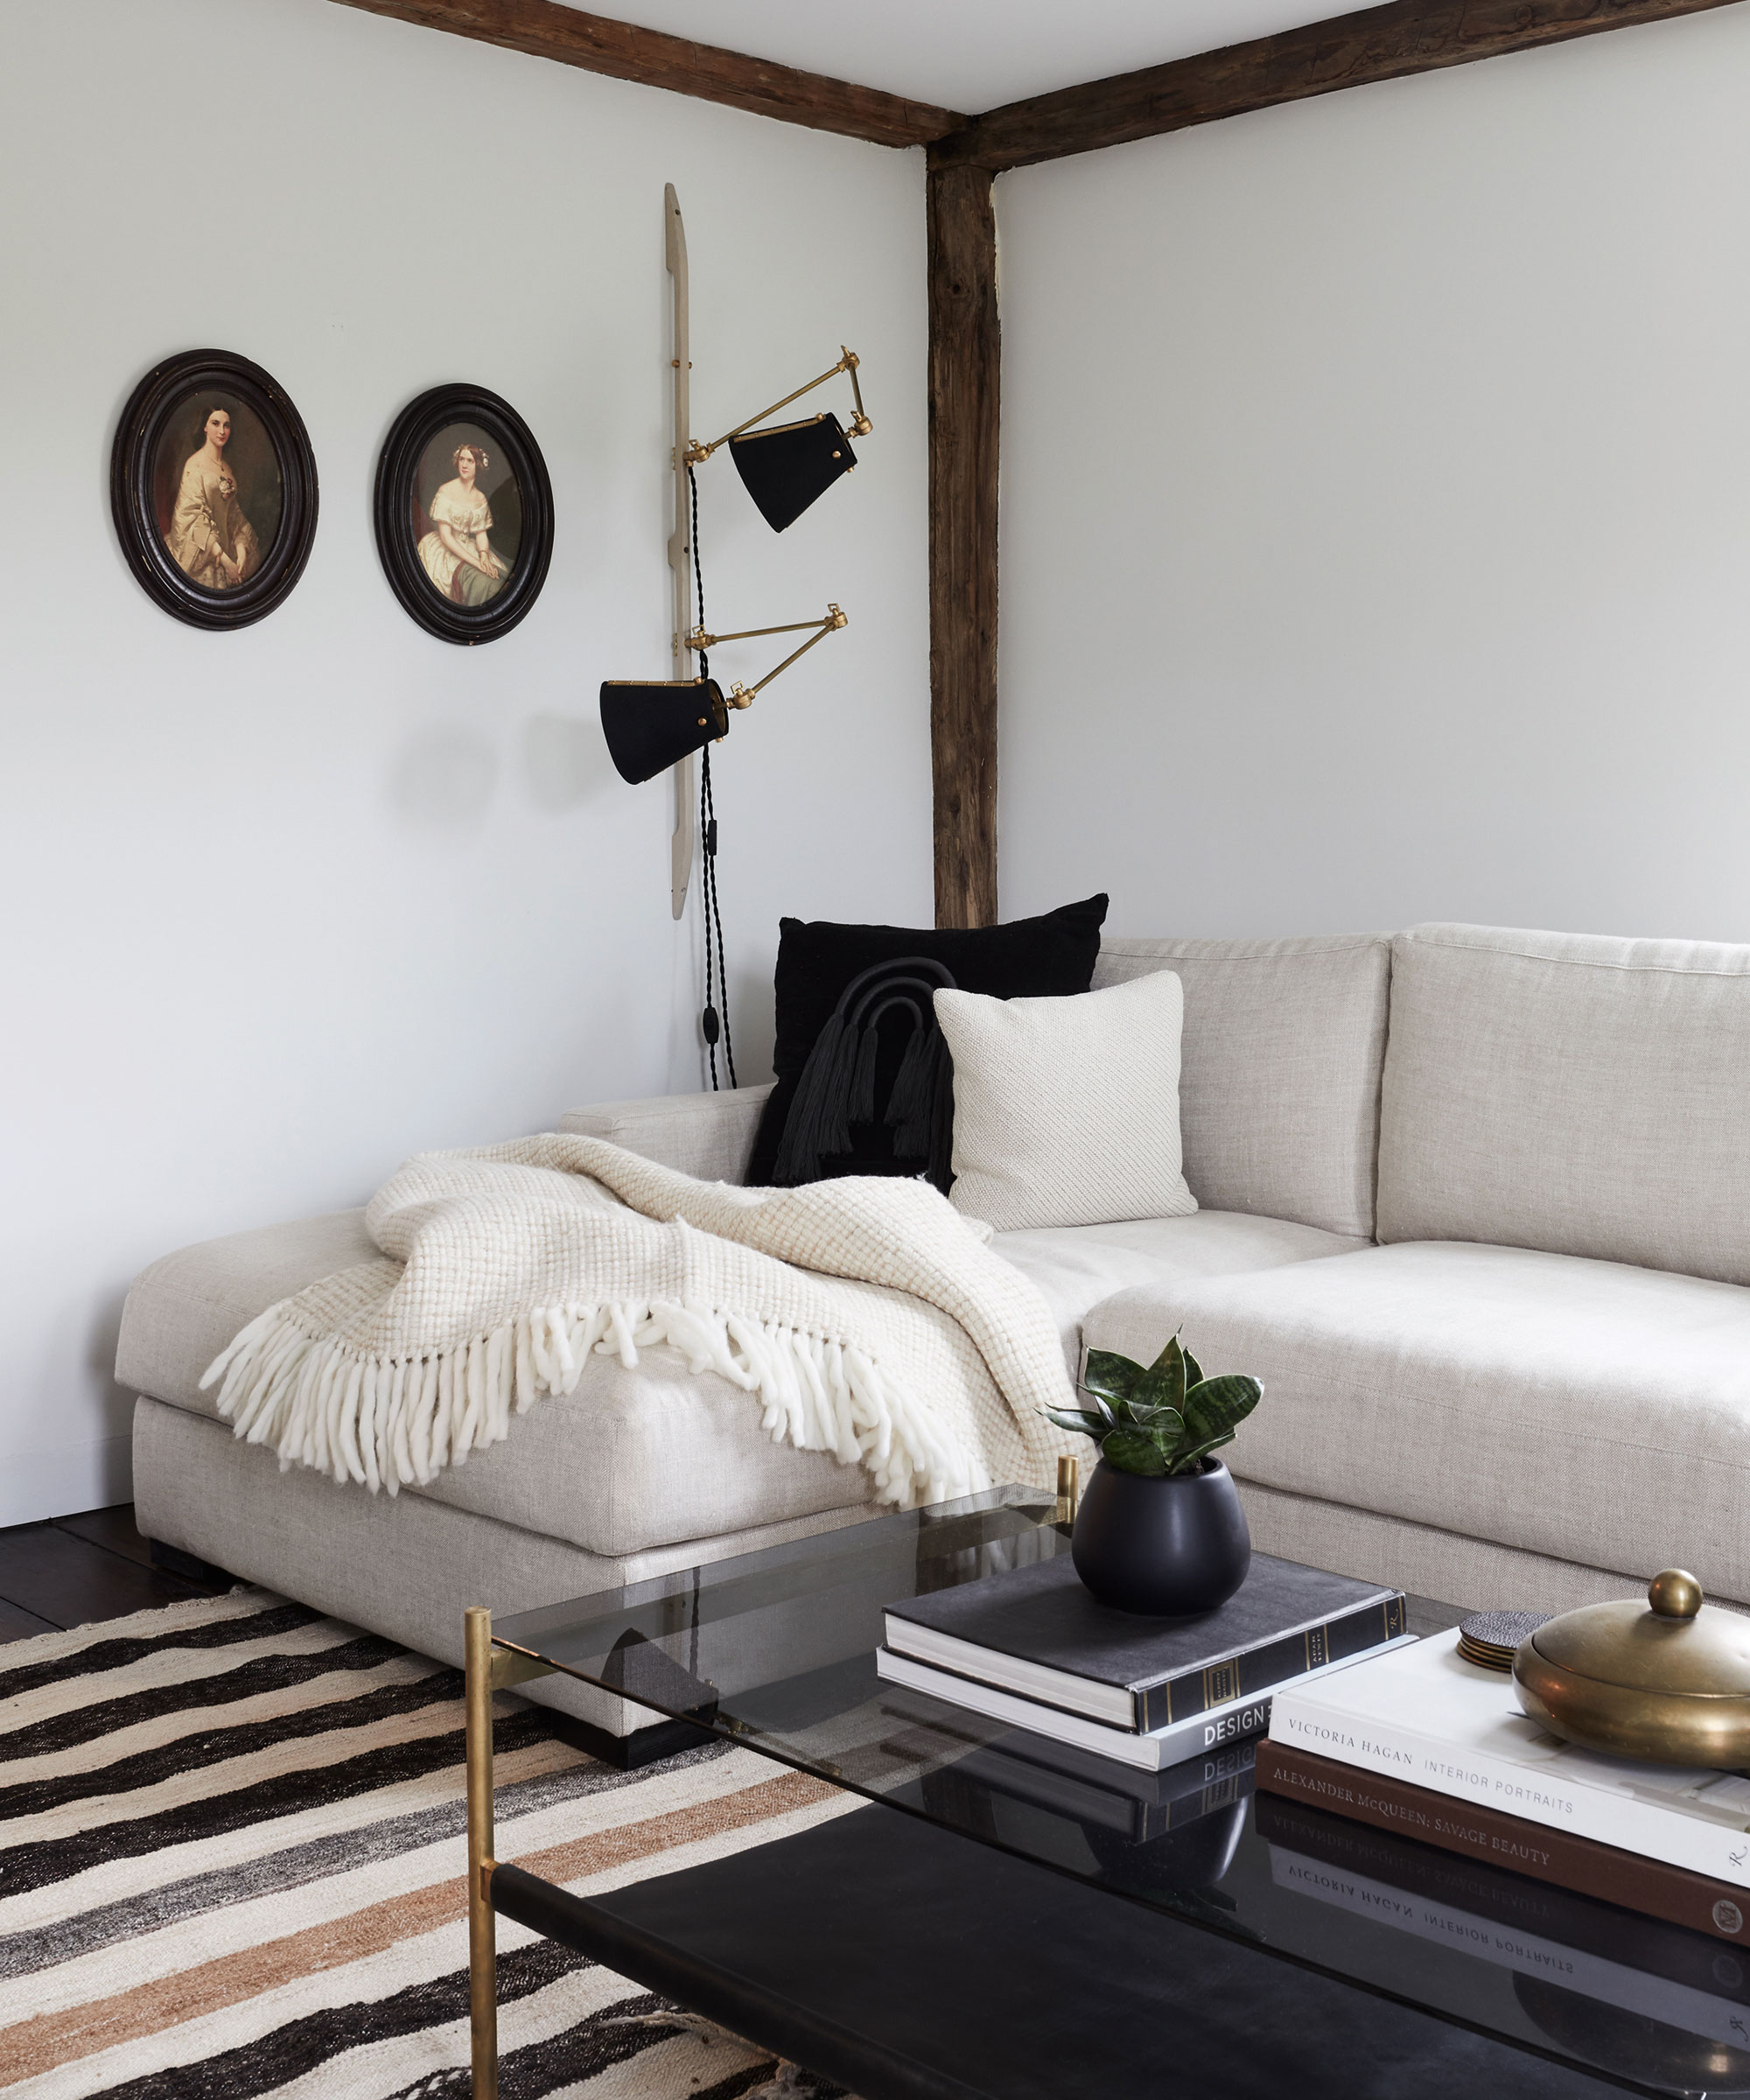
pixel 482 1955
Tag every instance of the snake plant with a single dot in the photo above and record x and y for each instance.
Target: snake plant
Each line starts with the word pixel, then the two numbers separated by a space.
pixel 1162 1420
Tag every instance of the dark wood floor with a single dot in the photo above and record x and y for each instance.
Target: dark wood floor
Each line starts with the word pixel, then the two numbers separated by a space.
pixel 71 1570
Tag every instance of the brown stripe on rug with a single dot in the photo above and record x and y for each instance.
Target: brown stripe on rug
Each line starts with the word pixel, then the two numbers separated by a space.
pixel 235 1870
pixel 264 1894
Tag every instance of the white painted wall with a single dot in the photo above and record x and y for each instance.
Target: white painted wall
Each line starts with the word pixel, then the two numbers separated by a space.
pixel 1376 505
pixel 976 55
pixel 286 905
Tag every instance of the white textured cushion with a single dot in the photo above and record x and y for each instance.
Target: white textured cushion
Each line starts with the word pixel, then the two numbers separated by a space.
pixel 1278 1087
pixel 1074 1267
pixel 1570 1092
pixel 1586 1410
pixel 1065 1111
pixel 709 1136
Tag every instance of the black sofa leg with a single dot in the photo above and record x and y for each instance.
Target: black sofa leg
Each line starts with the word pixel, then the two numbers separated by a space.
pixel 629 1753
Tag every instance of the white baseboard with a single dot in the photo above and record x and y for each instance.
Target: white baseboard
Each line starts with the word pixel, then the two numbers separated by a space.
pixel 63 1479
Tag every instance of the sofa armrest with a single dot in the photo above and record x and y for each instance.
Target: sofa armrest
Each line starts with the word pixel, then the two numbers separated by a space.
pixel 709 1136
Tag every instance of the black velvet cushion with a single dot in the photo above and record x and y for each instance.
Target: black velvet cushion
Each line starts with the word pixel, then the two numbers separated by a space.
pixel 1030 958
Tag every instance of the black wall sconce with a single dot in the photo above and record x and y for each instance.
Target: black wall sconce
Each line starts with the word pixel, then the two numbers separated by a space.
pixel 652 723
pixel 791 466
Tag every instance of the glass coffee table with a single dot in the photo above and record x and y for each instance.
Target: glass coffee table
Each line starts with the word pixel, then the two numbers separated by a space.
pixel 996 1918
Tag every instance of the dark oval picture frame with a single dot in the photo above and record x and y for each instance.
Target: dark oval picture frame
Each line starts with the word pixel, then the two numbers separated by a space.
pixel 216 532
pixel 465 546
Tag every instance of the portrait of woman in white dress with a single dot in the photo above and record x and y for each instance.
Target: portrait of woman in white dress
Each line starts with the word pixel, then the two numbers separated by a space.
pixel 463 514
pixel 457 553
pixel 209 536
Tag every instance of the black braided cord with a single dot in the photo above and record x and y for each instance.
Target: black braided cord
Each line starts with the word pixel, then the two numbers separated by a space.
pixel 708 891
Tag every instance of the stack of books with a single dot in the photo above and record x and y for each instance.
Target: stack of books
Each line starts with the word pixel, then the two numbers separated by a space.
pixel 1662 2000
pixel 1427 1745
pixel 1031 1649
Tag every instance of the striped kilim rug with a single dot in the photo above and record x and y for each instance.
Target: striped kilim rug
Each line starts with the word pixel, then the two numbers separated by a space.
pixel 232 1865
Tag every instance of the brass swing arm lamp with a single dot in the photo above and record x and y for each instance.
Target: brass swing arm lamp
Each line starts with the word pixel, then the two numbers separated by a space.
pixel 742 695
pixel 696 454
pixel 652 723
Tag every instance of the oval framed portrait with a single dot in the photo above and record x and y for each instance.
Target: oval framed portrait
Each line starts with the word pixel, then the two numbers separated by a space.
pixel 463 514
pixel 213 485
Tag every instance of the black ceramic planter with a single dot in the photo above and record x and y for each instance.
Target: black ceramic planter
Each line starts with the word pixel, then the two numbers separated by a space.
pixel 1166 1545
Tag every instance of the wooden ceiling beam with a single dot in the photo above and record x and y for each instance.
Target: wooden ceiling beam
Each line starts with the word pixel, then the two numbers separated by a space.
pixel 545 29
pixel 1349 51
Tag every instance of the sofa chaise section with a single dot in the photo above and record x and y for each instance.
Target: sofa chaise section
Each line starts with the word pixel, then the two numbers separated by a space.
pixel 632 1460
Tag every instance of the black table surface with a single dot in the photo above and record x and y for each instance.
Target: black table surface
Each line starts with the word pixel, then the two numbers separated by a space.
pixel 908 1963
pixel 1278 1942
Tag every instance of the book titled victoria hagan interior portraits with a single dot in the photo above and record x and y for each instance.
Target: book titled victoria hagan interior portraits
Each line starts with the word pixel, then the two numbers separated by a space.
pixel 1428 1717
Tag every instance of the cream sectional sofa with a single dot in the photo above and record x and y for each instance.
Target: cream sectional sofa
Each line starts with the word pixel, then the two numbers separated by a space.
pixel 1475 1205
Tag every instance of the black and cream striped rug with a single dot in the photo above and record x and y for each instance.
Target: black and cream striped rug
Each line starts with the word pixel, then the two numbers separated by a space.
pixel 232 1865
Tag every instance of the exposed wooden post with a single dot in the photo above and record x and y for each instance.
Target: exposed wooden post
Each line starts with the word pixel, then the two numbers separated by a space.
pixel 965 375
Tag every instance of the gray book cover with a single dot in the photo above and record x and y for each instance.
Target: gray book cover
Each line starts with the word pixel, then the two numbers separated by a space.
pixel 1283 1621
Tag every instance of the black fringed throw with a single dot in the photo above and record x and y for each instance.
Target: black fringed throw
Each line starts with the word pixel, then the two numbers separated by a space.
pixel 890 1109
pixel 838 1087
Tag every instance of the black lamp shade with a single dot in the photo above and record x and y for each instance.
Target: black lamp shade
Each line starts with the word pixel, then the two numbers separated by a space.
pixel 652 723
pixel 784 469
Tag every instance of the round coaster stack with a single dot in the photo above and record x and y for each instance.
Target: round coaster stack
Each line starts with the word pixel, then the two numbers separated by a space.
pixel 1489 1638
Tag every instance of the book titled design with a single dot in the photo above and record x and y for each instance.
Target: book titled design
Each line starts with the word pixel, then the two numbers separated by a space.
pixel 1219 1726
pixel 1035 1632
pixel 1425 1716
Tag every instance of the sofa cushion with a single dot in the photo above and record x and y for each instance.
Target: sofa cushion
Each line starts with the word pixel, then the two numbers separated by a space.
pixel 1278 1084
pixel 708 1136
pixel 187 1306
pixel 1065 1111
pixel 1570 1092
pixel 1584 1409
pixel 1075 1267
pixel 632 1460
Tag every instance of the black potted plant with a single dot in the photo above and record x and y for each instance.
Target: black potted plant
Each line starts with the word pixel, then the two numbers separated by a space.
pixel 1160 1529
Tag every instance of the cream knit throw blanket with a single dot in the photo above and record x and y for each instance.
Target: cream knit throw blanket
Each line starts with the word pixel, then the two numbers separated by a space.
pixel 866 1317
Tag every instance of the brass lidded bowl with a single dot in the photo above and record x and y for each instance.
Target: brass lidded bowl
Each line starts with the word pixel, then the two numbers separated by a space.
pixel 1668 1682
